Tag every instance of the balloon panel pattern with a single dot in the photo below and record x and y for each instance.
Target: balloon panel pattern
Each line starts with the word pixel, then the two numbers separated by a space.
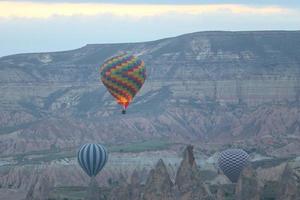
pixel 232 162
pixel 92 158
pixel 123 76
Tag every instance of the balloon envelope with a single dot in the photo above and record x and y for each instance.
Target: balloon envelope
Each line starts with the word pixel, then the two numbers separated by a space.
pixel 92 158
pixel 232 162
pixel 123 76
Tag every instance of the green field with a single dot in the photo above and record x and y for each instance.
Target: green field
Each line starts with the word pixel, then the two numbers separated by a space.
pixel 44 156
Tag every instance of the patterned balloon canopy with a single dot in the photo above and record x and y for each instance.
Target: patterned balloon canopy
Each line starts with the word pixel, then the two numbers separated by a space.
pixel 92 158
pixel 123 76
pixel 232 162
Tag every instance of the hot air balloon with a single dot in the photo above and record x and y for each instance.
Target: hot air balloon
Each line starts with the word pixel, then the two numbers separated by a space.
pixel 123 76
pixel 92 158
pixel 232 162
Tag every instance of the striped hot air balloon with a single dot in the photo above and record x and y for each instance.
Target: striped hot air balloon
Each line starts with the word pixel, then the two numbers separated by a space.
pixel 232 162
pixel 123 76
pixel 92 158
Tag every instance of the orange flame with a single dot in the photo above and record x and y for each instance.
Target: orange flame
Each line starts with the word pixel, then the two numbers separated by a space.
pixel 123 101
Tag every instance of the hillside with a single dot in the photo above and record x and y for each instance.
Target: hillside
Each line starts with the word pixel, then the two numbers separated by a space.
pixel 211 89
pixel 202 86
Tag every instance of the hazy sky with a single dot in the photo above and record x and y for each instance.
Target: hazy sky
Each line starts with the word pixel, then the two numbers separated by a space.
pixel 52 25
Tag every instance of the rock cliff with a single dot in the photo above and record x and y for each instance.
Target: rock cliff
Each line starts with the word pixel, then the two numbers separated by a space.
pixel 202 86
pixel 212 89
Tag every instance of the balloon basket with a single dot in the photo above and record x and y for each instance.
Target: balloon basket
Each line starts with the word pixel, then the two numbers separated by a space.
pixel 93 192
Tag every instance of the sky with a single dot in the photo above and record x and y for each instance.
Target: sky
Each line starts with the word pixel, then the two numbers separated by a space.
pixel 55 25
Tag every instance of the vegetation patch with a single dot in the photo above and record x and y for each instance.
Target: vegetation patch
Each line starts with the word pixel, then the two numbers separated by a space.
pixel 44 156
pixel 147 145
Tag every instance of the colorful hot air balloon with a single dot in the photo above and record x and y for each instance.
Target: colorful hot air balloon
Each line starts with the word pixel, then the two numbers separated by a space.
pixel 232 162
pixel 123 76
pixel 92 158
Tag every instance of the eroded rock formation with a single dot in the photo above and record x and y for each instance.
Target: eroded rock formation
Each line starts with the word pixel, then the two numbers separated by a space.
pixel 159 185
pixel 247 186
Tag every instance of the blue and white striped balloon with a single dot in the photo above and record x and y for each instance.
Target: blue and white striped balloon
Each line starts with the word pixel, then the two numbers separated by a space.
pixel 92 158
